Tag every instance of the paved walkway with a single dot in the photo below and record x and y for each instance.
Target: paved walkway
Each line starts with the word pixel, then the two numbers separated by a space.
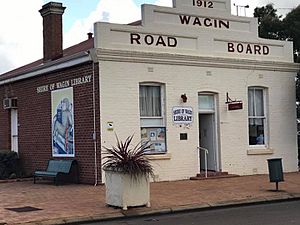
pixel 78 203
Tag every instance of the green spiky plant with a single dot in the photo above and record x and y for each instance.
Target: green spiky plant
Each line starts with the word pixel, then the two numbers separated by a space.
pixel 128 159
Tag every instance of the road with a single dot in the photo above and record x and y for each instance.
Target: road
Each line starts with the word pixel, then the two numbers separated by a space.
pixel 280 213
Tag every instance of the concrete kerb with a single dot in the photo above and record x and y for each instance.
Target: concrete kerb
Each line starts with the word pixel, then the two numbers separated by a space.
pixel 140 212
pixel 181 209
pixel 79 220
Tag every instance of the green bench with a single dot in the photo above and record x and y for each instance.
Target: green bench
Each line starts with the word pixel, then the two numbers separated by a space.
pixel 60 170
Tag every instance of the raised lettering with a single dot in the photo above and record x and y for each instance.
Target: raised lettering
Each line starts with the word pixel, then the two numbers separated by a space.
pixel 266 50
pixel 210 4
pixel 149 39
pixel 223 24
pixel 257 49
pixel 172 42
pixel 184 19
pixel 207 22
pixel 160 41
pixel 216 23
pixel 42 89
pixel 52 87
pixel 197 21
pixel 63 84
pixel 240 48
pixel 199 3
pixel 230 47
pixel 135 37
pixel 249 50
pixel 205 4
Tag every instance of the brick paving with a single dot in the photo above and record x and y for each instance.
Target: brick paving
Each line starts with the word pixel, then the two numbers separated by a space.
pixel 71 202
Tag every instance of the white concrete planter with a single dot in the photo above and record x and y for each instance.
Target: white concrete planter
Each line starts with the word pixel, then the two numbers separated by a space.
pixel 123 191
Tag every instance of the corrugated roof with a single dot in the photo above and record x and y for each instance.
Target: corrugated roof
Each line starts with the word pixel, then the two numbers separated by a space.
pixel 81 47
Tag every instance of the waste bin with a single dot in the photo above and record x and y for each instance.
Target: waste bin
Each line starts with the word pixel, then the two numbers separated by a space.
pixel 275 170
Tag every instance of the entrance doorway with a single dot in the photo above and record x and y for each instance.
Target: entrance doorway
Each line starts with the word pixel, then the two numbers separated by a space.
pixel 208 132
pixel 14 130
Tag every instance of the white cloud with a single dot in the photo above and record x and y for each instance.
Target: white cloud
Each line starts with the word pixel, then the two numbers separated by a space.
pixel 21 38
pixel 21 34
pixel 113 11
pixel 164 3
pixel 283 7
pixel 241 10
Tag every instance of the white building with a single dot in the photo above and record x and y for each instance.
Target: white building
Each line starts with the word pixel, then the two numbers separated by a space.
pixel 171 78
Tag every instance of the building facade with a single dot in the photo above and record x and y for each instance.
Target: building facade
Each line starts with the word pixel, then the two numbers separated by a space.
pixel 51 106
pixel 196 77
pixel 193 79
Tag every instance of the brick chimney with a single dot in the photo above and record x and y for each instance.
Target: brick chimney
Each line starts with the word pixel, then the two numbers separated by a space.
pixel 52 30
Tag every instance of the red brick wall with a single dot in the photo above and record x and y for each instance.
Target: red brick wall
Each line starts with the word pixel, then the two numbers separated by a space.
pixel 4 122
pixel 34 117
pixel 52 36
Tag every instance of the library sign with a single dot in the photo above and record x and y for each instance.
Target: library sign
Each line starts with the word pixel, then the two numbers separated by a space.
pixel 182 115
pixel 64 84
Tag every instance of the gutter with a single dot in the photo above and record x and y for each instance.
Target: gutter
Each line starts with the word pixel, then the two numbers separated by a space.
pixel 66 62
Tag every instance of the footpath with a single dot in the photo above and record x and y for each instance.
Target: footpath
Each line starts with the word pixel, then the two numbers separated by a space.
pixel 44 203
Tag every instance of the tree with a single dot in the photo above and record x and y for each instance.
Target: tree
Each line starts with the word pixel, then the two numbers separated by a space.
pixel 291 24
pixel 269 24
pixel 292 32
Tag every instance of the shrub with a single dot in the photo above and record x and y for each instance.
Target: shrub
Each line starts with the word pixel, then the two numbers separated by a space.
pixel 9 165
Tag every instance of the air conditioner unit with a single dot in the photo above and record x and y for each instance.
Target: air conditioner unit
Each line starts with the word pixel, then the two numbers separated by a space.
pixel 10 103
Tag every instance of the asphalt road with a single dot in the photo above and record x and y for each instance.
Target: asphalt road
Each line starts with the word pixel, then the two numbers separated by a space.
pixel 280 213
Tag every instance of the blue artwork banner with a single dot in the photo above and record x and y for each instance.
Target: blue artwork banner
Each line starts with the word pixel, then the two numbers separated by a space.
pixel 62 123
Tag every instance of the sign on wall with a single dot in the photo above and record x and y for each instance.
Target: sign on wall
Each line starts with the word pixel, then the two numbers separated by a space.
pixel 62 123
pixel 157 138
pixel 182 115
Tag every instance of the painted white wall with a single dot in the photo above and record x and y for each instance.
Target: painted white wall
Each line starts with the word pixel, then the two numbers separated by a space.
pixel 200 62
pixel 120 104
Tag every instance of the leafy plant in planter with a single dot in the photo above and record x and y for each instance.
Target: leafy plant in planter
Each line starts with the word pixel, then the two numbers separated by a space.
pixel 127 171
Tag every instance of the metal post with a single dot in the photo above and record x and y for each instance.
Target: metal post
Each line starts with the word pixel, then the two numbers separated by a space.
pixel 205 158
pixel 240 6
pixel 205 164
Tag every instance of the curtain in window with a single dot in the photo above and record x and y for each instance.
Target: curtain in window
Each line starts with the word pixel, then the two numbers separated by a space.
pixel 255 102
pixel 251 102
pixel 259 102
pixel 150 101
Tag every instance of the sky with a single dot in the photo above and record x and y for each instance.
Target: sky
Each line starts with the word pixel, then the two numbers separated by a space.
pixel 21 36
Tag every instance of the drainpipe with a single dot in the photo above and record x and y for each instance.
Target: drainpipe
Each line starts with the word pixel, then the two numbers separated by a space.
pixel 94 127
pixel 93 56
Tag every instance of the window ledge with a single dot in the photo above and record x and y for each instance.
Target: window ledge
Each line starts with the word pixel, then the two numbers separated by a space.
pixel 265 151
pixel 159 156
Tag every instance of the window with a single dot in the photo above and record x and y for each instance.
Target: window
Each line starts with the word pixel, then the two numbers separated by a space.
pixel 206 102
pixel 151 99
pixel 257 116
